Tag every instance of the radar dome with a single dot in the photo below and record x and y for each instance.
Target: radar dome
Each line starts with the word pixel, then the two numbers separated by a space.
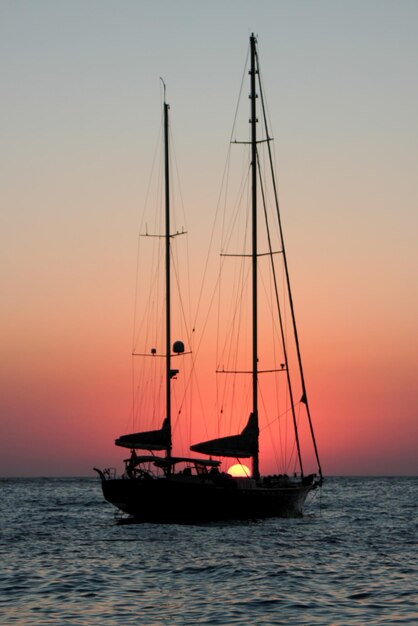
pixel 178 347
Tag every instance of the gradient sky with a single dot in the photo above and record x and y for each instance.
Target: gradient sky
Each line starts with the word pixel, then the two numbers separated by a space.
pixel 79 116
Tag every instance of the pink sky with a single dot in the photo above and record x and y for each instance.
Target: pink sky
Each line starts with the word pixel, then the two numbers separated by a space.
pixel 79 126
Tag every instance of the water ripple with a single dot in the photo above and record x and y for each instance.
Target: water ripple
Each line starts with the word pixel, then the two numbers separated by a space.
pixel 65 560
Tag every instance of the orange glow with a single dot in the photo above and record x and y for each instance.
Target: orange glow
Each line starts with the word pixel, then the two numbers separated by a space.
pixel 239 470
pixel 73 192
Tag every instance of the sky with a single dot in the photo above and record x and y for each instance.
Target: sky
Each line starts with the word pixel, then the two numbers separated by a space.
pixel 80 111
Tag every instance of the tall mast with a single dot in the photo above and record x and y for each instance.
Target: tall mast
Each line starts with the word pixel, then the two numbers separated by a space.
pixel 167 272
pixel 253 122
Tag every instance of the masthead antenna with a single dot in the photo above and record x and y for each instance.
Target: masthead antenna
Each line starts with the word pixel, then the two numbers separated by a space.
pixel 163 86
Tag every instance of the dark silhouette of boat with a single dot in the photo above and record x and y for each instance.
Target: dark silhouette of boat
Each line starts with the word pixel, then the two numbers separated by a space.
pixel 164 488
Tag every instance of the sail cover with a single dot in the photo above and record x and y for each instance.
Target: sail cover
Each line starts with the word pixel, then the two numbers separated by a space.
pixel 243 445
pixel 147 440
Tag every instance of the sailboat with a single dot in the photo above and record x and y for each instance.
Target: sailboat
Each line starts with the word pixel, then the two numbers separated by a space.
pixel 164 488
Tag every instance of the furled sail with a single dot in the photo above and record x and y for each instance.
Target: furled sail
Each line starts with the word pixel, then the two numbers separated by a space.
pixel 147 440
pixel 243 445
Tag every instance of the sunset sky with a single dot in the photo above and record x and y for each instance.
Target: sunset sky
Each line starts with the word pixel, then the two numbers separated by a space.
pixel 80 112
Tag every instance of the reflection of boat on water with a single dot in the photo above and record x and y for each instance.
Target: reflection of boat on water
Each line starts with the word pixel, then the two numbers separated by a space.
pixel 169 488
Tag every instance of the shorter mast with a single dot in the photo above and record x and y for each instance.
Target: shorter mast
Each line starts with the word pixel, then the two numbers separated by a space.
pixel 167 274
pixel 160 439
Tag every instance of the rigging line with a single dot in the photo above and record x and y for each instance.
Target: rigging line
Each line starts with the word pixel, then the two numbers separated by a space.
pixel 237 280
pixel 269 305
pixel 273 269
pixel 218 326
pixel 209 308
pixel 186 329
pixel 134 331
pixel 191 377
pixel 244 73
pixel 245 403
pixel 272 440
pixel 229 230
pixel 266 112
pixel 243 278
pixel 133 395
pixel 156 248
pixel 259 254
pixel 141 223
pixel 244 467
pixel 134 334
pixel 176 168
pixel 279 450
pixel 234 335
pixel 207 317
pixel 208 255
pixel 179 187
pixel 289 289
pixel 293 444
pixel 225 177
pixel 269 371
pixel 219 283
pixel 151 300
pixel 157 151
pixel 185 400
pixel 224 185
pixel 276 344
pixel 237 298
pixel 239 294
pixel 279 417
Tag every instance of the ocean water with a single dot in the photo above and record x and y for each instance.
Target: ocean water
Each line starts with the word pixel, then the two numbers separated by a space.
pixel 65 559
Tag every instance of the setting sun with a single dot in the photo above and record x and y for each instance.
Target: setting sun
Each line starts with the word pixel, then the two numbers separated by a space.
pixel 239 470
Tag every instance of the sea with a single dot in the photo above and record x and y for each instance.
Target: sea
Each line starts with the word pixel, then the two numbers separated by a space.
pixel 66 558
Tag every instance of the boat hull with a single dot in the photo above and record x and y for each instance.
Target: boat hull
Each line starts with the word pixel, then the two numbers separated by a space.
pixel 167 500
